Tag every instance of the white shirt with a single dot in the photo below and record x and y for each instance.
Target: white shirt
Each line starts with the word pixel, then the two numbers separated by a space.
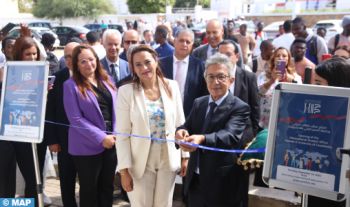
pixel 116 66
pixel 184 69
pixel 284 40
pixel 210 51
pixel 262 66
pixel 232 86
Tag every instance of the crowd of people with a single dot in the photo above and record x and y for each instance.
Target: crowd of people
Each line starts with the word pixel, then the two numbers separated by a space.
pixel 115 90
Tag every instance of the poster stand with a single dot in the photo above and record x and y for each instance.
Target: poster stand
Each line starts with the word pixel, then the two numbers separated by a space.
pixel 307 125
pixel 22 108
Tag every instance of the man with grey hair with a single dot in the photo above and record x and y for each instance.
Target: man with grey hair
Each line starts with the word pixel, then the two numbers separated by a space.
pixel 117 68
pixel 185 69
pixel 216 120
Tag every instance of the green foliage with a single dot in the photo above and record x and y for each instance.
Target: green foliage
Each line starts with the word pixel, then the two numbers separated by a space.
pixel 192 3
pixel 148 6
pixel 71 8
pixel 25 6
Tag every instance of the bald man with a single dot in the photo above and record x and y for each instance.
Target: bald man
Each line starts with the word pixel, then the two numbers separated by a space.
pixel 56 136
pixel 215 35
pixel 130 37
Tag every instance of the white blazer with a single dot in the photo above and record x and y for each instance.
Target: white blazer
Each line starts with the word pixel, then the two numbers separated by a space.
pixel 132 152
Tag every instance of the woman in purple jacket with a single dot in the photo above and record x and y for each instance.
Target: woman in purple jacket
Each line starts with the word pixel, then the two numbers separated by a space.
pixel 89 97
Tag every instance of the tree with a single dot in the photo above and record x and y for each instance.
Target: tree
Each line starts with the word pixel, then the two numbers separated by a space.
pixel 25 6
pixel 71 8
pixel 148 6
pixel 192 3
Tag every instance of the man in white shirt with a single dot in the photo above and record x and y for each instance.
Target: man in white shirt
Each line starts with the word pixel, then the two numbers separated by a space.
pixel 93 39
pixel 185 69
pixel 285 40
pixel 261 63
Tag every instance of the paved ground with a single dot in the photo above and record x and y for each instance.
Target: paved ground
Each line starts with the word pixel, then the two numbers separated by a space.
pixel 52 189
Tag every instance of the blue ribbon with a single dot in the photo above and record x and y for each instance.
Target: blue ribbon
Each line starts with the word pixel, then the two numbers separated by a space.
pixel 258 150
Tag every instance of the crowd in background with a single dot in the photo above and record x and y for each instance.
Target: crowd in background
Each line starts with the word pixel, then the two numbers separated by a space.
pixel 155 83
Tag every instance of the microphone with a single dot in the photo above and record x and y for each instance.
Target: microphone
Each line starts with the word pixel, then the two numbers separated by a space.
pixel 307 75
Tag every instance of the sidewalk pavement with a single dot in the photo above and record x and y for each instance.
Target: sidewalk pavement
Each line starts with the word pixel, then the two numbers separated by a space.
pixel 52 190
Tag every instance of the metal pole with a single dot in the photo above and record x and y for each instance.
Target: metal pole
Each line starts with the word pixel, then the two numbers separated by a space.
pixel 39 186
pixel 304 201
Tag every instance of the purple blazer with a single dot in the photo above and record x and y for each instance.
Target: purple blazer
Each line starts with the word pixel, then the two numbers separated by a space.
pixel 88 128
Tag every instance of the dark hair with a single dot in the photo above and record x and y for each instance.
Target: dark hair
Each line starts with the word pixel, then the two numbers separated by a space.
pixel 92 37
pixel 227 42
pixel 336 71
pixel 144 32
pixel 162 31
pixel 243 25
pixel 75 39
pixel 100 73
pixel 265 44
pixel 47 39
pixel 4 41
pixel 298 20
pixel 287 26
pixel 343 47
pixel 23 43
pixel 322 28
pixel 135 78
pixel 298 40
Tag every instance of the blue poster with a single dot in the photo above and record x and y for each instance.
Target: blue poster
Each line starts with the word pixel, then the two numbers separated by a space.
pixel 22 107
pixel 309 129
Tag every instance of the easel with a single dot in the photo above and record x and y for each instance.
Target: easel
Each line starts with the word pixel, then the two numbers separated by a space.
pixel 24 92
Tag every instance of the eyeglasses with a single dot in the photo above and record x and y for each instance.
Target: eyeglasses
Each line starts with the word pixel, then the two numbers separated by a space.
pixel 220 78
pixel 67 56
pixel 130 42
pixel 86 61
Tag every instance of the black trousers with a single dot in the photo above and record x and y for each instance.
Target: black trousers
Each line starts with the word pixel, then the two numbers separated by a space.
pixel 10 152
pixel 67 174
pixel 96 177
pixel 195 195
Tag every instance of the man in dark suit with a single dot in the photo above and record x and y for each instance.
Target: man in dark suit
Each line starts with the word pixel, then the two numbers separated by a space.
pixel 216 120
pixel 148 38
pixel 185 69
pixel 56 136
pixel 130 37
pixel 244 87
pixel 215 35
pixel 116 67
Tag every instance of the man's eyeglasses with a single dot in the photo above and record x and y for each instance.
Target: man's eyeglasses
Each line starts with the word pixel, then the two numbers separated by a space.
pixel 130 42
pixel 220 77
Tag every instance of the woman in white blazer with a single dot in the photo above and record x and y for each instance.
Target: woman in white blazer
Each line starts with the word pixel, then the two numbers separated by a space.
pixel 149 106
